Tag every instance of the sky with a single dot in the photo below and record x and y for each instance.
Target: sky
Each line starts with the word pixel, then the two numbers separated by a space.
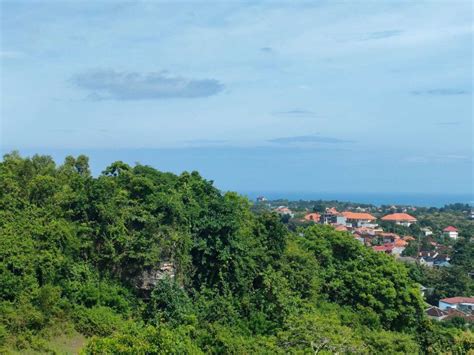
pixel 320 96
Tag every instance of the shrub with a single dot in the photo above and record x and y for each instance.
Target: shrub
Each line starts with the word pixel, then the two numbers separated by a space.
pixel 101 321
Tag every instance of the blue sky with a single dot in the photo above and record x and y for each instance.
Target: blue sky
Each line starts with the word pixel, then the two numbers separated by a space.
pixel 322 96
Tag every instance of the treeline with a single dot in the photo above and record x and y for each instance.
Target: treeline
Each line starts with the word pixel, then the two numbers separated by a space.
pixel 145 262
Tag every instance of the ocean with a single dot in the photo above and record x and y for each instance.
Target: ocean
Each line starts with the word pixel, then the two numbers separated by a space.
pixel 411 199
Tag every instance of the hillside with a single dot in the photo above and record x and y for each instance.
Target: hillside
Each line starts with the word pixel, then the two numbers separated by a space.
pixel 141 261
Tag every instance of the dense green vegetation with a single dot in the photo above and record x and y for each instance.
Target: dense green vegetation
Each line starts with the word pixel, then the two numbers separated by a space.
pixel 74 251
pixel 452 281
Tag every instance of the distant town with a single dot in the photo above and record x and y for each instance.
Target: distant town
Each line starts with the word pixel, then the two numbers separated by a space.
pixel 418 236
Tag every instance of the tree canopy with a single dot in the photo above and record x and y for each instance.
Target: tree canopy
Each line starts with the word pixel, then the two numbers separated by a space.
pixel 143 261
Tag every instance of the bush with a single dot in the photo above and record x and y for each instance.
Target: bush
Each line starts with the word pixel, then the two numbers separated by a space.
pixel 101 321
pixel 385 342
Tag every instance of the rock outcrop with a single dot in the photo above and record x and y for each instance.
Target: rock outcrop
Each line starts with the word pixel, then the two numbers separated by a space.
pixel 149 278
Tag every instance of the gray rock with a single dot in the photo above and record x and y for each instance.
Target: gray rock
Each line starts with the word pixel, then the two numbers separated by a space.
pixel 149 278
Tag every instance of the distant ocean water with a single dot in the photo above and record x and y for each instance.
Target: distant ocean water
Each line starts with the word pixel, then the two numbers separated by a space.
pixel 412 199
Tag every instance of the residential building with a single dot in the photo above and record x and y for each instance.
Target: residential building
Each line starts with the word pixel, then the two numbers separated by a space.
pixel 427 231
pixel 399 246
pixel 403 219
pixel 312 217
pixel 436 313
pixel 388 237
pixel 368 231
pixel 434 258
pixel 360 238
pixel 282 211
pixel 439 314
pixel 340 228
pixel 330 216
pixel 451 232
pixel 359 219
pixel 464 304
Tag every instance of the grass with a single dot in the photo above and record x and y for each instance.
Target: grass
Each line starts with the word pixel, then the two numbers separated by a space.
pixel 62 340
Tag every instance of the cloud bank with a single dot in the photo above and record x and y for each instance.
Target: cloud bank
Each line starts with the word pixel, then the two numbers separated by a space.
pixel 295 112
pixel 308 139
pixel 383 34
pixel 440 92
pixel 114 85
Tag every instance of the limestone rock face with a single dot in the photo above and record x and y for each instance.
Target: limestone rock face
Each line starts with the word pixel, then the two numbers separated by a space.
pixel 148 279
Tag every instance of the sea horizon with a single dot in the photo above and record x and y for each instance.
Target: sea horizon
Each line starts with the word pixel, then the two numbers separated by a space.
pixel 377 199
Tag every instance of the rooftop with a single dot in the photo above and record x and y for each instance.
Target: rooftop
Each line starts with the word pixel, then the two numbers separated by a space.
pixel 312 217
pixel 455 300
pixel 402 217
pixel 358 215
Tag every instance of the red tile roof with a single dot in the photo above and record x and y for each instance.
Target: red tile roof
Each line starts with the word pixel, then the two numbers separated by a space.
pixel 454 300
pixel 452 313
pixel 312 217
pixel 356 215
pixel 450 229
pixel 405 217
pixel 383 248
pixel 400 243
pixel 340 228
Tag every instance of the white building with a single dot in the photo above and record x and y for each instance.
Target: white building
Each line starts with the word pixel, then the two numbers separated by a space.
pixel 402 219
pixel 465 304
pixel 283 210
pixel 451 232
pixel 358 219
pixel 427 231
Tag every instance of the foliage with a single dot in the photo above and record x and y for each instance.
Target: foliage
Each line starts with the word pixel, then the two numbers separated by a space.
pixel 75 251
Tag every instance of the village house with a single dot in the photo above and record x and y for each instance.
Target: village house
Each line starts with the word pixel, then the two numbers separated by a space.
pixel 436 313
pixel 434 258
pixel 427 231
pixel 367 231
pixel 340 228
pixel 312 217
pixel 399 246
pixel 451 232
pixel 284 211
pixel 388 237
pixel 402 219
pixel 464 304
pixel 361 239
pixel 359 219
pixel 330 216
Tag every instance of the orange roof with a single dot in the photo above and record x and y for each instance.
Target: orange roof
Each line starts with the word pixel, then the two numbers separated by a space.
pixel 399 217
pixel 400 243
pixel 354 215
pixel 450 229
pixel 340 228
pixel 408 238
pixel 312 217
pixel 331 210
pixel 388 235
